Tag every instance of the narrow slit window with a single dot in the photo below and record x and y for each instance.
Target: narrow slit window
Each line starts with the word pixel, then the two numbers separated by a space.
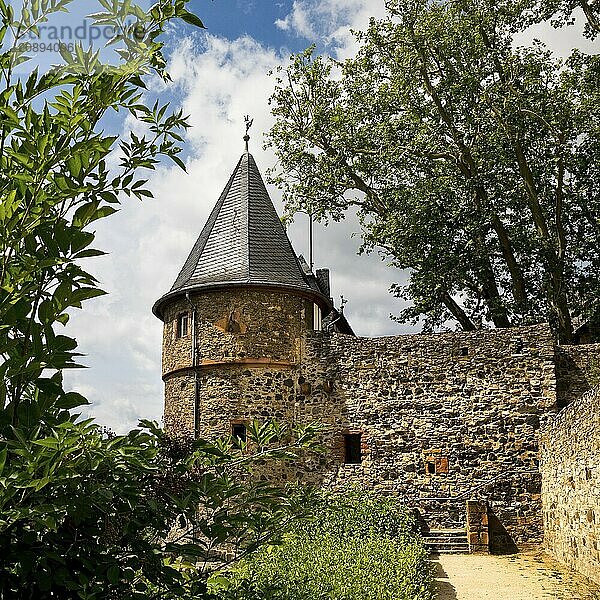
pixel 352 449
pixel 238 430
pixel 182 325
pixel 430 467
pixel 317 321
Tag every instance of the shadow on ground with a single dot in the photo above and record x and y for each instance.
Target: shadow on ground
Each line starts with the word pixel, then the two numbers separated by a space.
pixel 444 590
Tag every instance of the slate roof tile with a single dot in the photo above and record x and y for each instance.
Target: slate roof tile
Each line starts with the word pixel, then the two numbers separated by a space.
pixel 243 242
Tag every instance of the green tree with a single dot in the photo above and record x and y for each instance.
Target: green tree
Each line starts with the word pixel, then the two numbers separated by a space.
pixel 84 514
pixel 472 163
pixel 89 515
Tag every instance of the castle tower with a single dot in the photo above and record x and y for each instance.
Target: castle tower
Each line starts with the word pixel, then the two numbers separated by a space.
pixel 235 318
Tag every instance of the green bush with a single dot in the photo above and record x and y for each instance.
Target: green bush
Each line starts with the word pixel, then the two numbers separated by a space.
pixel 356 547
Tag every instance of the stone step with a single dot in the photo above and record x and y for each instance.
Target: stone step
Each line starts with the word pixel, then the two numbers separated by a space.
pixel 446 541
pixel 448 532
pixel 445 545
pixel 462 550
pixel 447 524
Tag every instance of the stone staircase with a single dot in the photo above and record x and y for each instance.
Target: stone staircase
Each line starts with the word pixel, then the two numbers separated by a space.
pixel 446 541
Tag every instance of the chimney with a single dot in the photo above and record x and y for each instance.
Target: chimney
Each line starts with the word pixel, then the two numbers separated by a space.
pixel 323 281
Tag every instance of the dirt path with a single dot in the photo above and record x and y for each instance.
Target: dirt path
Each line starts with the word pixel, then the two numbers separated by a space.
pixel 529 576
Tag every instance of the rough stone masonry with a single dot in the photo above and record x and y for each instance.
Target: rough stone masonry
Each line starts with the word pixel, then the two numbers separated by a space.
pixel 434 420
pixel 570 451
pixel 441 418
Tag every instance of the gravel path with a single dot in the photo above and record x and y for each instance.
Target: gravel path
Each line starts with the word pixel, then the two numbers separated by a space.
pixel 529 576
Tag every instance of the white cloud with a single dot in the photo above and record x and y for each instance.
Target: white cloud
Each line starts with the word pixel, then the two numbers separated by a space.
pixel 561 41
pixel 329 21
pixel 297 22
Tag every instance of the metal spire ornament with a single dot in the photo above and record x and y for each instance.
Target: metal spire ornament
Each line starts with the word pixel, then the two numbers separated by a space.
pixel 248 122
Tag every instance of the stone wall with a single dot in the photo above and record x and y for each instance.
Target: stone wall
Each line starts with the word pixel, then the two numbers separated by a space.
pixel 235 329
pixel 577 371
pixel 570 467
pixel 470 401
pixel 233 325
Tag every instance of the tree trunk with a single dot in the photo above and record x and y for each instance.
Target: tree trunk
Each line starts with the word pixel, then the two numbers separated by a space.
pixel 457 312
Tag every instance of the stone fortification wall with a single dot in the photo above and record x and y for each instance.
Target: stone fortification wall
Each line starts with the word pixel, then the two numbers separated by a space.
pixel 577 371
pixel 442 418
pixel 470 401
pixel 570 459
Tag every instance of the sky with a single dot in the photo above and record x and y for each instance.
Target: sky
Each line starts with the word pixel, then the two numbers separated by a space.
pixel 220 75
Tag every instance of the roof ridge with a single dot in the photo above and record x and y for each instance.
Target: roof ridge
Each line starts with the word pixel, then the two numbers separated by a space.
pixel 248 157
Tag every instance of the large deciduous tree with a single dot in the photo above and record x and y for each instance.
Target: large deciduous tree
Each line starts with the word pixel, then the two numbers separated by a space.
pixel 473 162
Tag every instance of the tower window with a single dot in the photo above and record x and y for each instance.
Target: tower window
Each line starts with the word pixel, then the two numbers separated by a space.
pixel 182 325
pixel 352 448
pixel 464 352
pixel 238 431
pixel 317 321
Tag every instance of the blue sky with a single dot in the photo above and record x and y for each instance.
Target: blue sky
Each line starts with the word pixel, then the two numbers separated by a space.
pixel 219 75
pixel 256 18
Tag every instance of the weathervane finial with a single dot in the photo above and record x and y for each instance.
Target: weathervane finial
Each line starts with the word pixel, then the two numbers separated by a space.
pixel 248 122
pixel 343 302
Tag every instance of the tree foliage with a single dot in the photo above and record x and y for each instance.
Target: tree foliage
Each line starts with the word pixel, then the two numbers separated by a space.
pixel 473 163
pixel 88 515
pixel 55 182
pixel 85 514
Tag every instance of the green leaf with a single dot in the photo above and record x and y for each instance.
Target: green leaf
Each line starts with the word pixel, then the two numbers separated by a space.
pixel 11 114
pixel 74 165
pixel 105 211
pixel 47 443
pixel 113 573
pixel 3 455
pixel 72 400
pixel 81 294
pixel 192 19
pixel 89 253
pixel 85 213
pixel 178 162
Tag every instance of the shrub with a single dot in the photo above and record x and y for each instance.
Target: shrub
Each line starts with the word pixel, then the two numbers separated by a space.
pixel 356 547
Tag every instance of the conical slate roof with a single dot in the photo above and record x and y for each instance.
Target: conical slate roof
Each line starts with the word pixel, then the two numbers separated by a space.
pixel 242 243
